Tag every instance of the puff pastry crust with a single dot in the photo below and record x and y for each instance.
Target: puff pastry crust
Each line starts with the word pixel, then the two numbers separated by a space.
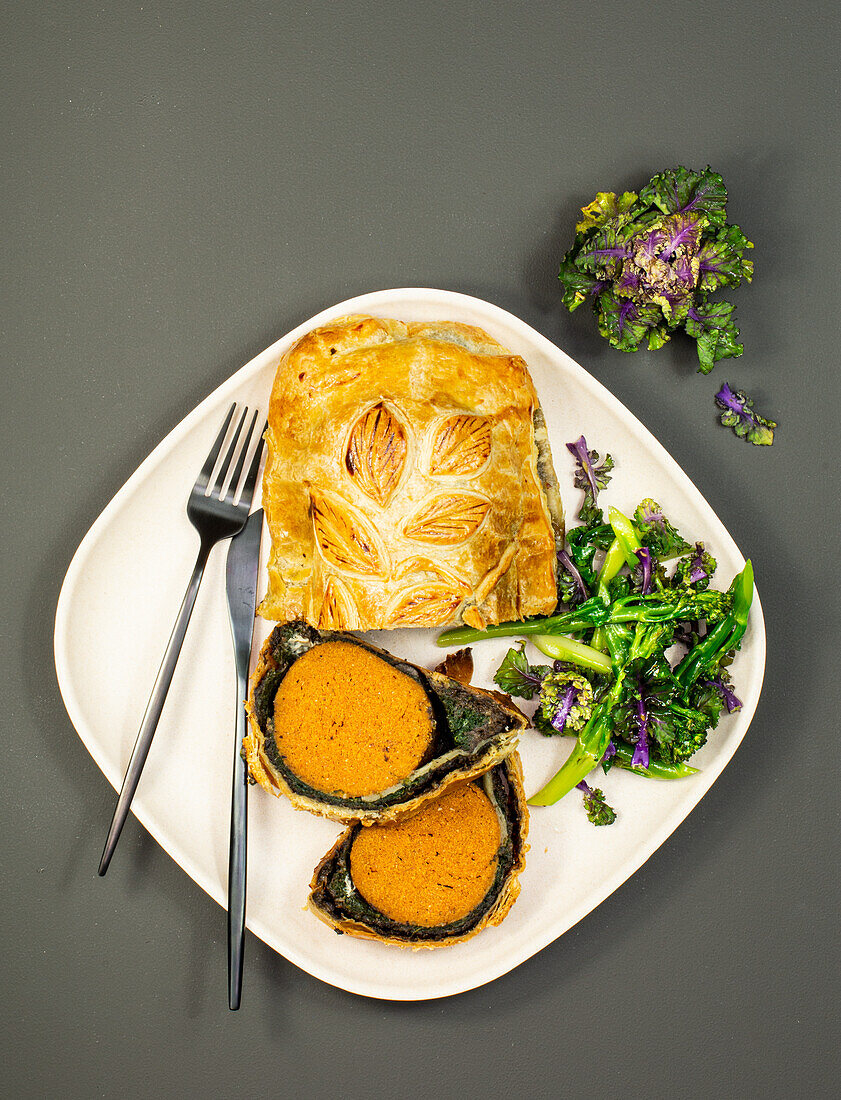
pixel 408 480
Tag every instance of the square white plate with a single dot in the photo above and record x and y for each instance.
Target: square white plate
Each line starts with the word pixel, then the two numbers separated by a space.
pixel 122 592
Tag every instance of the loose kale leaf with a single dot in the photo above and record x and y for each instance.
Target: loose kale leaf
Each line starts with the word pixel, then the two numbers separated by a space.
pixel 681 190
pixel 708 700
pixel 582 543
pixel 517 677
pixel 643 573
pixel 571 587
pixel 740 415
pixel 712 325
pixel 721 687
pixel 598 811
pixel 591 476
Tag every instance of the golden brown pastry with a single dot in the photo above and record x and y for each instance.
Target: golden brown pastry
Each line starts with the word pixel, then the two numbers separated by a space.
pixel 408 481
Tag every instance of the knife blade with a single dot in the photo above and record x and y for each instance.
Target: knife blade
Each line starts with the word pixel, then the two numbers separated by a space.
pixel 242 570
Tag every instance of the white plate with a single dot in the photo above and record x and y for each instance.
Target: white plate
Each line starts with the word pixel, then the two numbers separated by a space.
pixel 120 598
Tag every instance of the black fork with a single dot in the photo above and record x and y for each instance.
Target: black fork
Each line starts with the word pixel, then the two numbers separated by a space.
pixel 217 513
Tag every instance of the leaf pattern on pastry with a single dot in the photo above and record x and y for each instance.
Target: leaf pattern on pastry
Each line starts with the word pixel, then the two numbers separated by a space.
pixel 338 611
pixel 347 541
pixel 431 604
pixel 376 453
pixel 462 446
pixel 447 519
pixel 415 569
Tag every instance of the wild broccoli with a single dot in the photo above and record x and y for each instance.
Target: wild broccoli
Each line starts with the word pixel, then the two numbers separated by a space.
pixel 612 684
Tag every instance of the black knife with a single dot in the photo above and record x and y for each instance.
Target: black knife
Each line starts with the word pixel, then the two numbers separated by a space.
pixel 241 573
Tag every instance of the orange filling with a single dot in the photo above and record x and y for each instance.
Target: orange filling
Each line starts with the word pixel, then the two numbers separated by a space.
pixel 436 866
pixel 348 722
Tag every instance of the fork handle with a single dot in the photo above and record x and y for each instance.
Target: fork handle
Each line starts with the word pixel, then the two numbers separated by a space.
pixel 237 854
pixel 153 710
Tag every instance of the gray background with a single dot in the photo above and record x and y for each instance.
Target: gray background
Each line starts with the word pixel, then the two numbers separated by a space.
pixel 183 184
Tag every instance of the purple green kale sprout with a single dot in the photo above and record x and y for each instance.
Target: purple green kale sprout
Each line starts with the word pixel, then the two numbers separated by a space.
pixel 597 808
pixel 649 262
pixel 740 415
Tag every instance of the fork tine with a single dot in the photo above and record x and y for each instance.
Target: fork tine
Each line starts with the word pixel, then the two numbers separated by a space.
pixel 228 459
pixel 234 482
pixel 251 479
pixel 210 461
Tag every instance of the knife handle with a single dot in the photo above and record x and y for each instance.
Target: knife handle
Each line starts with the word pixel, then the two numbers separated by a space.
pixel 237 856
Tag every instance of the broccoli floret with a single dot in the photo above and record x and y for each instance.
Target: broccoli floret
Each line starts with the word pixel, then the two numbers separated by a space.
pixel 695 569
pixel 679 731
pixel 619 587
pixel 566 701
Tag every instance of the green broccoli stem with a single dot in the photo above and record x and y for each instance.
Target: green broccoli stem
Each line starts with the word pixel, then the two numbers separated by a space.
pixel 590 614
pixel 627 536
pixel 577 653
pixel 657 769
pixel 467 635
pixel 726 636
pixel 618 639
pixel 590 746
pixel 614 559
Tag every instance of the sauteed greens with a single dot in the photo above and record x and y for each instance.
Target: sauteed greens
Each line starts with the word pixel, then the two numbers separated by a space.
pixel 640 651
